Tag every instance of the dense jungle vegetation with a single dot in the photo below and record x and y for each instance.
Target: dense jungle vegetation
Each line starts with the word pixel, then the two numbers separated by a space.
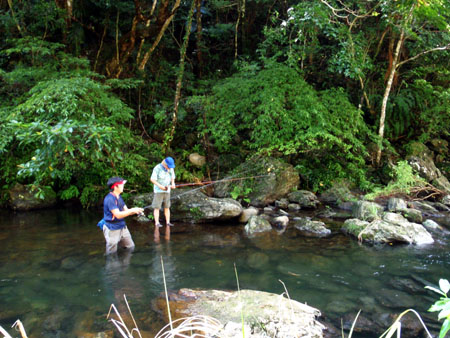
pixel 339 89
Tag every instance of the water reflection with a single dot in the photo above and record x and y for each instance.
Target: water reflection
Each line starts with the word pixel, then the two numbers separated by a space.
pixel 162 257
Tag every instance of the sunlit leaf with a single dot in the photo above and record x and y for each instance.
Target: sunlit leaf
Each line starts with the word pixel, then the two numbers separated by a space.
pixel 444 284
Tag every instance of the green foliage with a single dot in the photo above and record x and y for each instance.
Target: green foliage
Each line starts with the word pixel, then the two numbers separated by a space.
pixel 196 213
pixel 274 111
pixel 435 107
pixel 442 305
pixel 70 192
pixel 91 195
pixel 68 128
pixel 240 192
pixel 403 180
pixel 400 115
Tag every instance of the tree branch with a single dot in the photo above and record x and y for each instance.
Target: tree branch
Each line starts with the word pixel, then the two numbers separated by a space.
pixel 423 53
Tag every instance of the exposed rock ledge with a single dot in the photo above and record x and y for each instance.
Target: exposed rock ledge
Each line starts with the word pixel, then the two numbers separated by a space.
pixel 265 314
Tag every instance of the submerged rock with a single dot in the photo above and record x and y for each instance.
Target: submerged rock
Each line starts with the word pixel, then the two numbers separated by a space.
pixel 265 314
pixel 257 260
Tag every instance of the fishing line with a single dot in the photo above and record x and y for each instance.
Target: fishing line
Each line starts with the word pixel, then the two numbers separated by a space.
pixel 230 178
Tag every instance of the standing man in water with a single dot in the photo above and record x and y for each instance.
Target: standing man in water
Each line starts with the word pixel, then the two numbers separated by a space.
pixel 114 211
pixel 163 179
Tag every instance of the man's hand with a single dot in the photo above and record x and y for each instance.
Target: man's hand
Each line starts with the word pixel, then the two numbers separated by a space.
pixel 137 211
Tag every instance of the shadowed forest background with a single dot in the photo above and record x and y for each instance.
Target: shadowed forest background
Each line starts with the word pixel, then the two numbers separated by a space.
pixel 342 90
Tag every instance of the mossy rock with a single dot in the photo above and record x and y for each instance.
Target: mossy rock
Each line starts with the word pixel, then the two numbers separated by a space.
pixel 268 179
pixel 22 198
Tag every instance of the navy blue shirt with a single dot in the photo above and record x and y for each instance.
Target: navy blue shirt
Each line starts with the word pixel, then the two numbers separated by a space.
pixel 110 203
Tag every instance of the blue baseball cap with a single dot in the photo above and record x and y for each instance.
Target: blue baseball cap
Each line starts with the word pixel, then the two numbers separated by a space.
pixel 170 162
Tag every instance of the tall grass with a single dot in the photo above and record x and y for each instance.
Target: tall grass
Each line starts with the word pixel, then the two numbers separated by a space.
pixel 18 326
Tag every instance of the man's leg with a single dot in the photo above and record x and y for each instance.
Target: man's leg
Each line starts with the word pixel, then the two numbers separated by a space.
pixel 167 215
pixel 112 238
pixel 156 216
pixel 126 240
pixel 167 209
pixel 156 205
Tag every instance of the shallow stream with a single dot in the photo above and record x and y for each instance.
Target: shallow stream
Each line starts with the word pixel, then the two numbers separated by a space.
pixel 55 278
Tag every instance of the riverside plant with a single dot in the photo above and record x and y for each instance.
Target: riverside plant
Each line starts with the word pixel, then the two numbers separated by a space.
pixel 442 305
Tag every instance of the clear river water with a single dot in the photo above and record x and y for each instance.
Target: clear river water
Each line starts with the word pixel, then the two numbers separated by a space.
pixel 55 278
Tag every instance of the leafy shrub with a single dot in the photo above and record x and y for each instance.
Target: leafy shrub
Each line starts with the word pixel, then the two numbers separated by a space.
pixel 274 111
pixel 403 180
pixel 67 128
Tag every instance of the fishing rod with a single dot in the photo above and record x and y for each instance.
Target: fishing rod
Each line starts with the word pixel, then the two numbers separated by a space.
pixel 208 183
pixel 218 181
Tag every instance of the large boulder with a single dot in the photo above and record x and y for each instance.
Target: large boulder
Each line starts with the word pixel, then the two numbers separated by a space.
pixel 338 195
pixel 412 215
pixel 265 314
pixel 446 200
pixel 367 211
pixel 396 204
pixel 400 206
pixel 21 198
pixel 391 228
pixel 304 198
pixel 198 207
pixel 194 206
pixel 425 207
pixel 197 159
pixel 420 158
pixel 272 179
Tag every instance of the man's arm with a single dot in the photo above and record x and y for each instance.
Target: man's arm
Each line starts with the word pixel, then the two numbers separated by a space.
pixel 172 175
pixel 155 182
pixel 126 212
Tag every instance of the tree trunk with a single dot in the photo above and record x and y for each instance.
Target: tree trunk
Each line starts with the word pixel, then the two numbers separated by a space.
pixel 198 19
pixel 389 84
pixel 169 138
pixel 241 13
pixel 13 14
pixel 166 23
pixel 386 94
